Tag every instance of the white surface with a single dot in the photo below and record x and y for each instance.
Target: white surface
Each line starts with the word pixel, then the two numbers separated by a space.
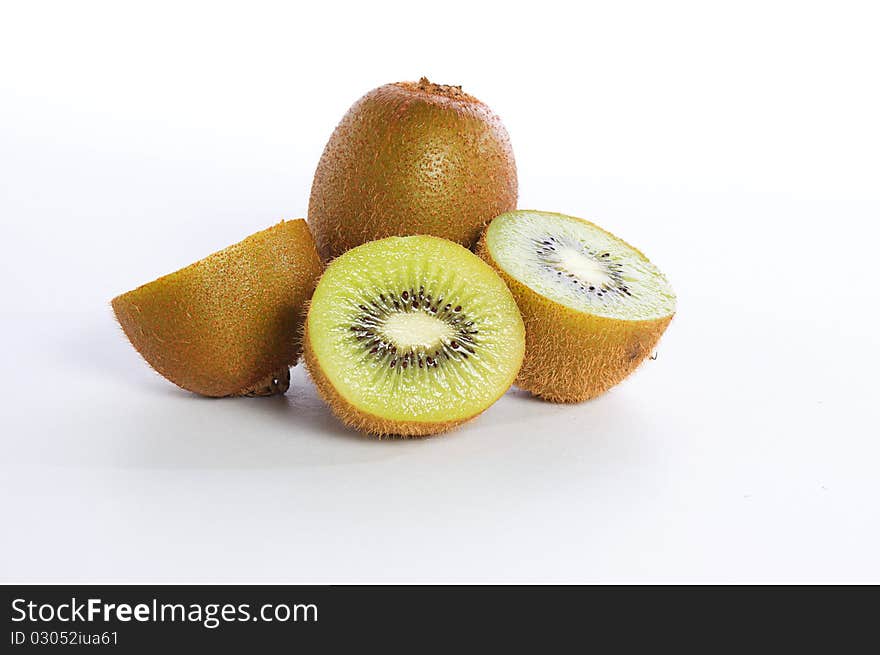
pixel 737 146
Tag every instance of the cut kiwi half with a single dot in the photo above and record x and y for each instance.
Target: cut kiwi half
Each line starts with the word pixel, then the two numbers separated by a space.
pixel 231 323
pixel 594 307
pixel 412 336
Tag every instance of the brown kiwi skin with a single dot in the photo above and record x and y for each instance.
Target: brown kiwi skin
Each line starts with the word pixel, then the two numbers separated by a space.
pixel 572 356
pixel 231 322
pixel 412 158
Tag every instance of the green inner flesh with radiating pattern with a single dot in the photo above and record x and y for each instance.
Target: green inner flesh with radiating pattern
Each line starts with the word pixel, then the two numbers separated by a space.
pixel 579 265
pixel 415 329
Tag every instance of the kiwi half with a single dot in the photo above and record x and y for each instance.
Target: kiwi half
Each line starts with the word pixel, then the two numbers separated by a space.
pixel 412 158
pixel 231 323
pixel 594 307
pixel 412 336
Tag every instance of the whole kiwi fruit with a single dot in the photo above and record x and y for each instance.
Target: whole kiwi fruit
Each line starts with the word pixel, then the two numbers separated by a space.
pixel 231 323
pixel 412 158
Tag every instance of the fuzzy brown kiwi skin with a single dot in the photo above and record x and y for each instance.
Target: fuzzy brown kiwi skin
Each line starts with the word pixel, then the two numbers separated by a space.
pixel 412 158
pixel 571 356
pixel 212 330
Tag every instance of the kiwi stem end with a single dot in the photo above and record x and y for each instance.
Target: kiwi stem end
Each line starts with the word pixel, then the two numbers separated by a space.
pixel 276 384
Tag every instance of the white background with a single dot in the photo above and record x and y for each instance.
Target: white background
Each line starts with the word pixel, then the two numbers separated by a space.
pixel 738 144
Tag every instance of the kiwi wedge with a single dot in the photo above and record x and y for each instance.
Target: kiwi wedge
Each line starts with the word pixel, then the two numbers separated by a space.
pixel 411 336
pixel 594 307
pixel 231 323
pixel 412 158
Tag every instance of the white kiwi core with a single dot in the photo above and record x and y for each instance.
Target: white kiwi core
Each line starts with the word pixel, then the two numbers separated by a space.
pixel 416 330
pixel 583 266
